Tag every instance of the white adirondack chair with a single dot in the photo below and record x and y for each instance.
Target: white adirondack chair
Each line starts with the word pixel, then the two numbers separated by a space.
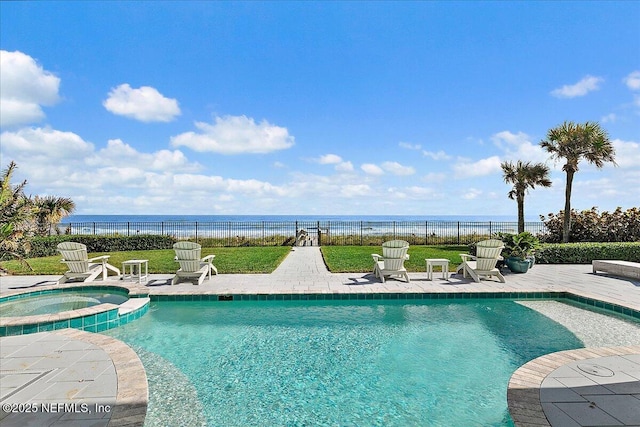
pixel 81 267
pixel 391 262
pixel 483 264
pixel 192 267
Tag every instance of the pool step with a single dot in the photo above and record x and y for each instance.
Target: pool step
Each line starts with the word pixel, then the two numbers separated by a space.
pixel 132 304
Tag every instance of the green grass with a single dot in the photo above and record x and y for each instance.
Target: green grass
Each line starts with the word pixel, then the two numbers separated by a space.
pixel 351 259
pixel 228 260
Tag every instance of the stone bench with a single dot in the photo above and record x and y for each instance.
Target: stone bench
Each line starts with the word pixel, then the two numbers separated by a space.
pixel 618 268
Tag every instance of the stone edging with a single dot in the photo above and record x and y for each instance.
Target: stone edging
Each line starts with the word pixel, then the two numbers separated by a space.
pixel 132 397
pixel 523 393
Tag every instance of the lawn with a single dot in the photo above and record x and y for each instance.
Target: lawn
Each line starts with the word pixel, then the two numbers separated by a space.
pixel 252 259
pixel 228 260
pixel 351 259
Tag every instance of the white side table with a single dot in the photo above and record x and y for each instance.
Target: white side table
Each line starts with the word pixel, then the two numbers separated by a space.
pixel 437 262
pixel 132 270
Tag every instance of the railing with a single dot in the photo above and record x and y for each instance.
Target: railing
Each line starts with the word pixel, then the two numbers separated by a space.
pixel 270 233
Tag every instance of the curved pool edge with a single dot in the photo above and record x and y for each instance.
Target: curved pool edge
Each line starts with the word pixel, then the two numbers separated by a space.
pixel 96 318
pixel 132 398
pixel 527 407
pixel 118 395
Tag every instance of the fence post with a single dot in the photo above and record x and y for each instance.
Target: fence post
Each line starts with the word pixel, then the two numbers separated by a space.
pixel 128 224
pixel 426 232
pixel 319 233
pixel 489 228
pixel 361 237
pixel 94 228
pixel 263 242
pixel 458 232
pixel 196 231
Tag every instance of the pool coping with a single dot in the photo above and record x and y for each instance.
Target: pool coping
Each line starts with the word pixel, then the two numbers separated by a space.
pixel 523 391
pixel 132 397
pixel 96 318
pixel 130 390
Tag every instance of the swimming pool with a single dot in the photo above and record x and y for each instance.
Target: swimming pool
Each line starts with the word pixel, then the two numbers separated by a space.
pixel 382 363
pixel 56 302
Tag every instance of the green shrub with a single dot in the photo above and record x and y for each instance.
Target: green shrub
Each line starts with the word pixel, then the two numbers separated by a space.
pixel 585 252
pixel 46 246
pixel 592 226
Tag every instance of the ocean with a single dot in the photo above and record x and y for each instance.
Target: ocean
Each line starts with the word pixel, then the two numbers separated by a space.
pixel 289 218
pixel 351 228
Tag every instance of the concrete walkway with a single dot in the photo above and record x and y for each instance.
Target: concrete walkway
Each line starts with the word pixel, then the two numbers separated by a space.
pixel 303 262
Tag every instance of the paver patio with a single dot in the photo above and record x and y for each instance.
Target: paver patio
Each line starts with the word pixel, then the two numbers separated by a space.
pixel 304 272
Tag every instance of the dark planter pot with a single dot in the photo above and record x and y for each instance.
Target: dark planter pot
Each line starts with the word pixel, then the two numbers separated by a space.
pixel 518 265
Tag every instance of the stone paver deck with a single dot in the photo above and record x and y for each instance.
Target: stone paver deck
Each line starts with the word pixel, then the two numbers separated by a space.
pixel 70 377
pixel 304 272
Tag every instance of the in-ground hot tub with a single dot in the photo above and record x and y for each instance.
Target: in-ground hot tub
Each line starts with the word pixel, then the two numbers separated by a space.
pixel 90 308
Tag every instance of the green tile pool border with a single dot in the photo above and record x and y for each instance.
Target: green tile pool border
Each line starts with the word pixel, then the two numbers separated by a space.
pixel 99 322
pixel 106 318
pixel 98 288
pixel 589 302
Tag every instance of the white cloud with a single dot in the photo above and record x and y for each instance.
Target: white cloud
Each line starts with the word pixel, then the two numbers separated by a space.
pixel 420 192
pixel 398 169
pixel 465 169
pixel 609 118
pixel 26 86
pixel 518 146
pixel 145 104
pixel 434 177
pixel 439 155
pixel 235 135
pixel 117 153
pixel 471 193
pixel 633 80
pixel 344 167
pixel 583 87
pixel 409 146
pixel 44 144
pixel 627 153
pixel 372 169
pixel 355 190
pixel 329 159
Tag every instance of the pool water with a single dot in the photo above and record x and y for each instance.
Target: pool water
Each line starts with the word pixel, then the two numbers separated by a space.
pixel 342 363
pixel 57 302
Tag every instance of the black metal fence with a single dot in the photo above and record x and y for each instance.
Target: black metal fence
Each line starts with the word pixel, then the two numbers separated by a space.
pixel 270 233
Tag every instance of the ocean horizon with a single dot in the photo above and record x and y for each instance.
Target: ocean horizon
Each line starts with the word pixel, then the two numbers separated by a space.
pixel 287 218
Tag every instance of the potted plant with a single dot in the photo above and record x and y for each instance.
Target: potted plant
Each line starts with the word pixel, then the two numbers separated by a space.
pixel 519 251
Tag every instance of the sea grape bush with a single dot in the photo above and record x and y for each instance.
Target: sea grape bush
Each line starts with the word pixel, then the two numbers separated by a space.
pixel 46 246
pixel 592 226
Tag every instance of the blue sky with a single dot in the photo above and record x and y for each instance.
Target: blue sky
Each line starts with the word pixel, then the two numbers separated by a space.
pixel 314 107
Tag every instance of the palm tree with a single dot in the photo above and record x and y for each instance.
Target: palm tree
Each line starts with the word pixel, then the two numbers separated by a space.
pixel 16 210
pixel 574 142
pixel 523 176
pixel 50 210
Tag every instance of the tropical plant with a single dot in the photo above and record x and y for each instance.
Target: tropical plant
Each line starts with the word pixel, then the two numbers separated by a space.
pixel 574 142
pixel 16 210
pixel 50 210
pixel 523 176
pixel 592 226
pixel 521 245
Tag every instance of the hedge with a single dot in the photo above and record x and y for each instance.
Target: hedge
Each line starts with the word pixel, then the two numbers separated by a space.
pixel 46 246
pixel 585 252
